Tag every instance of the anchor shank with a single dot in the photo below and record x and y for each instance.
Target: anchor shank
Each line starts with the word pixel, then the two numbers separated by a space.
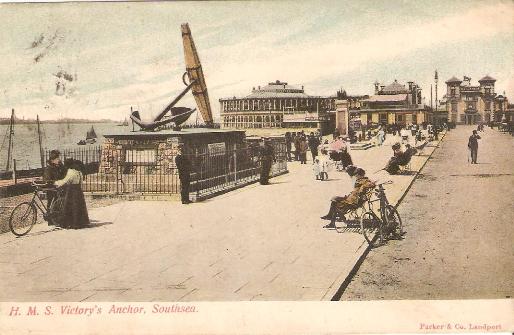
pixel 165 110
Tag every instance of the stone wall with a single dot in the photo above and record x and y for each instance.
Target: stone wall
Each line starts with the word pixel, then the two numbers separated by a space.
pixel 113 153
pixel 166 152
pixel 110 157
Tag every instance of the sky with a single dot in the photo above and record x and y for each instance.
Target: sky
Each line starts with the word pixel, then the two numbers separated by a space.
pixel 96 60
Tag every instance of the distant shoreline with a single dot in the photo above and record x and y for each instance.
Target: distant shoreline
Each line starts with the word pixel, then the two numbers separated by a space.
pixel 4 121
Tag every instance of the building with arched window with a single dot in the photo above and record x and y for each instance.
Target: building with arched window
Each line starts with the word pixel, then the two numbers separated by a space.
pixel 471 104
pixel 278 105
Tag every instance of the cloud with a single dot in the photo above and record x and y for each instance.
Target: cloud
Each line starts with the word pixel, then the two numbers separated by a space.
pixel 242 45
pixel 324 58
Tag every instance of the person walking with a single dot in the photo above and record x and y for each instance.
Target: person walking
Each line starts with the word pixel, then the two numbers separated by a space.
pixel 267 157
pixel 303 150
pixel 404 133
pixel 74 208
pixel 296 142
pixel 184 174
pixel 289 142
pixel 380 136
pixel 313 146
pixel 418 137
pixel 473 146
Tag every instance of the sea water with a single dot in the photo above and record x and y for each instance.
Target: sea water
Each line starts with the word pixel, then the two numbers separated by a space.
pixel 54 136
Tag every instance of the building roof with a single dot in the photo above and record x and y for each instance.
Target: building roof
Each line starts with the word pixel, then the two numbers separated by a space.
pixel 266 94
pixel 487 78
pixel 280 86
pixel 453 80
pixel 387 98
pixel 277 89
pixel 395 87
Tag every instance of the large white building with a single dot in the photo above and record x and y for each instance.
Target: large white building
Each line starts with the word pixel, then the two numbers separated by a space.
pixel 278 105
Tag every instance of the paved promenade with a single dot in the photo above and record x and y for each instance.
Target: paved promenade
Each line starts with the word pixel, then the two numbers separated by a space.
pixel 459 217
pixel 255 243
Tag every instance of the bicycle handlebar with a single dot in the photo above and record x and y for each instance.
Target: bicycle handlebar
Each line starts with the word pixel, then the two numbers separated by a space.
pixel 384 183
pixel 42 185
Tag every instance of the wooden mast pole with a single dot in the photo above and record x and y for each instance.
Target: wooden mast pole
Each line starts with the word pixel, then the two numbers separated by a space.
pixel 11 132
pixel 40 144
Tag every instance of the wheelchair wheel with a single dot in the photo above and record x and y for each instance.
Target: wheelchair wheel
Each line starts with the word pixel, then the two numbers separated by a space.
pixel 371 228
pixel 23 218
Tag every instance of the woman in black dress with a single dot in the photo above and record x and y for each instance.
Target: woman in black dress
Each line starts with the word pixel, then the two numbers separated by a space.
pixel 75 210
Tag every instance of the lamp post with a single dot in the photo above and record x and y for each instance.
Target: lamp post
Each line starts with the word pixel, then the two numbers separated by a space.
pixel 436 79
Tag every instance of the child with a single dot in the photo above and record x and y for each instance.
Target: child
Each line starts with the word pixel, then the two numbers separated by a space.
pixel 316 169
pixel 323 162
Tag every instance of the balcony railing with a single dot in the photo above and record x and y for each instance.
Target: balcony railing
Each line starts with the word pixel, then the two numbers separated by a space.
pixel 391 107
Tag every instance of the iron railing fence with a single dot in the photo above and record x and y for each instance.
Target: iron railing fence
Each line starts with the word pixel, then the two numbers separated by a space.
pixel 217 172
pixel 149 171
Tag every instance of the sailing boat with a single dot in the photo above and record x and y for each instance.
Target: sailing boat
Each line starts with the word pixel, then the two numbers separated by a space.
pixel 90 137
pixel 123 124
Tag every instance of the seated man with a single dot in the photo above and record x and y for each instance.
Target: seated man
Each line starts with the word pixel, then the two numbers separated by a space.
pixel 410 151
pixel 353 200
pixel 393 166
pixel 400 158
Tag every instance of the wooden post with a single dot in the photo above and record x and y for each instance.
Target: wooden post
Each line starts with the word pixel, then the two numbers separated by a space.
pixel 41 154
pixel 9 150
pixel 14 172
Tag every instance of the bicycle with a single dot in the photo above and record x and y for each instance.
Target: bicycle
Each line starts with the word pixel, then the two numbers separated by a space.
pixel 376 229
pixel 24 215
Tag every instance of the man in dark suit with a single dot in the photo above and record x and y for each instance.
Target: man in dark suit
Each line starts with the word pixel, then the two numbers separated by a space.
pixel 54 170
pixel 473 146
pixel 184 173
pixel 267 157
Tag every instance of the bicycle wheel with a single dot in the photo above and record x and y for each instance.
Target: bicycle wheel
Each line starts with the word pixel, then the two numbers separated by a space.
pixel 371 228
pixel 56 212
pixel 394 221
pixel 23 218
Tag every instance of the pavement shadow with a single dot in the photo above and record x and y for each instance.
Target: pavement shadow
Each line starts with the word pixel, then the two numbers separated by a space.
pixel 42 232
pixel 341 230
pixel 278 182
pixel 408 173
pixel 96 224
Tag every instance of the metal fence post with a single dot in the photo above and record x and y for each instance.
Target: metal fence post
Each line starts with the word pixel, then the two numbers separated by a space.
pixel 117 172
pixel 235 166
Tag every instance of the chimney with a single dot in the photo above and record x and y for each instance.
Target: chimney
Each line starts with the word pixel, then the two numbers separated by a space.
pixel 253 88
pixel 259 88
pixel 302 87
pixel 376 87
